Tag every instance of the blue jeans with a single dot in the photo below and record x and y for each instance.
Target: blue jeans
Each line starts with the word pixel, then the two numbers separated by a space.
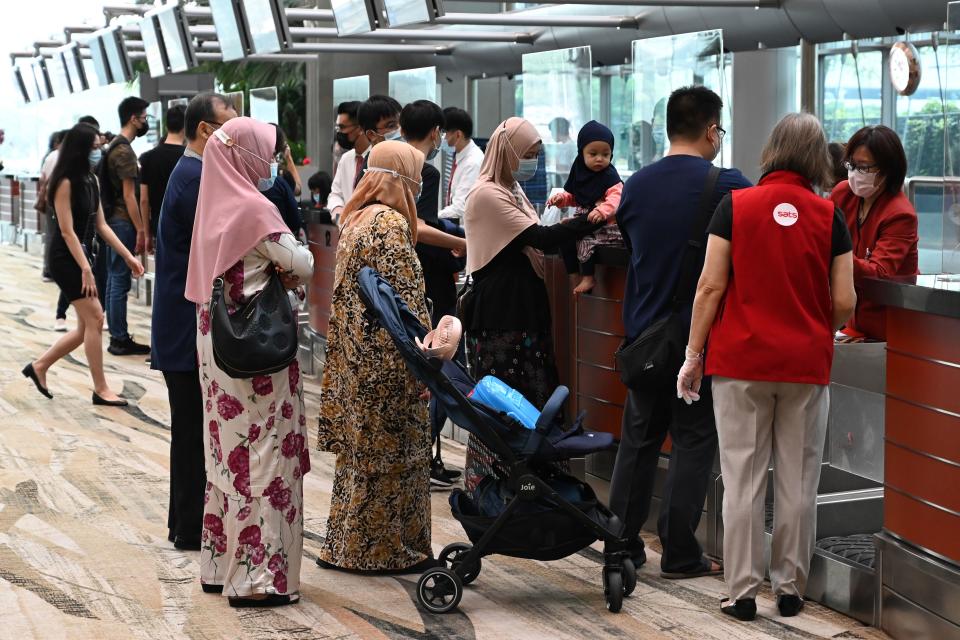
pixel 118 279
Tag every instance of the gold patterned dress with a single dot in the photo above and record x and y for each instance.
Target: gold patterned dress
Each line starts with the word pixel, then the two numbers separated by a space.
pixel 371 415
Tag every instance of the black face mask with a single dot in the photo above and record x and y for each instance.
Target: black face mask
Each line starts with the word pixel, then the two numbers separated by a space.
pixel 343 141
pixel 142 131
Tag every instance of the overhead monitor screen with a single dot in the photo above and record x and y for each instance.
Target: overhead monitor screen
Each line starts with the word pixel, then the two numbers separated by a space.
pixel 352 16
pixel 178 45
pixel 40 74
pixel 227 24
pixel 264 105
pixel 23 93
pixel 152 47
pixel 57 70
pixel 100 67
pixel 404 12
pixel 116 55
pixel 75 70
pixel 267 23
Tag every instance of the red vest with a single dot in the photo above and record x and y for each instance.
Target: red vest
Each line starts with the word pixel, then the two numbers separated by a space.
pixel 774 323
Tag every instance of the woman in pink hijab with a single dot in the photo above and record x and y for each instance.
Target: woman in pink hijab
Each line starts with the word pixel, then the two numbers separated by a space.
pixel 256 440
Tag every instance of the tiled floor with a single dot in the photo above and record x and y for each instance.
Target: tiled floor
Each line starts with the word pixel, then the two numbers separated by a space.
pixel 83 549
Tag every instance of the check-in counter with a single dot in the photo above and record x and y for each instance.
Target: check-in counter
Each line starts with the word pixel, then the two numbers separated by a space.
pixel 919 547
pixel 322 239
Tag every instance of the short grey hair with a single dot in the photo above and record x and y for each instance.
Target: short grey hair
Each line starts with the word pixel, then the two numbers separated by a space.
pixel 798 144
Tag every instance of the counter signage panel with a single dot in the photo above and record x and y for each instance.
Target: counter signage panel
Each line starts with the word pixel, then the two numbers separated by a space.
pixel 353 16
pixel 57 70
pixel 116 54
pixel 176 42
pixel 100 67
pixel 75 70
pixel 152 46
pixel 40 75
pixel 267 23
pixel 23 94
pixel 227 23
pixel 404 12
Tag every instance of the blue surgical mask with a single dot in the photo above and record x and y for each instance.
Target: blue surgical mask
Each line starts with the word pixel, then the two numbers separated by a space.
pixel 526 170
pixel 316 198
pixel 393 135
pixel 433 153
pixel 449 149
pixel 267 183
pixel 94 157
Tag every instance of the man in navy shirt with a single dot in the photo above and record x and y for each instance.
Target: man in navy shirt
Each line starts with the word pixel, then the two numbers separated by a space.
pixel 659 207
pixel 174 324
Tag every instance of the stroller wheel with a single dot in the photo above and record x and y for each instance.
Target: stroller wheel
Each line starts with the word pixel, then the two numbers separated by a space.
pixel 452 557
pixel 629 577
pixel 613 589
pixel 439 590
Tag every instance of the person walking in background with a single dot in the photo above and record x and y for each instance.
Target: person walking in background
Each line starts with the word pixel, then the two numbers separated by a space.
pixel 119 176
pixel 507 318
pixel 594 187
pixel 881 219
pixel 372 411
pixel 351 138
pixel 46 212
pixel 467 158
pixel 255 438
pixel 174 322
pixel 156 165
pixel 778 258
pixel 663 205
pixel 74 196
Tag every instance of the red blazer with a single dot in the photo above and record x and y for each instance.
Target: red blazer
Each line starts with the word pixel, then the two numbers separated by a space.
pixel 885 245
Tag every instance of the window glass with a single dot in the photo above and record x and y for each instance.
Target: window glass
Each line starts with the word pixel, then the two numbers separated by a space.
pixel 851 93
pixel 349 89
pixel 408 85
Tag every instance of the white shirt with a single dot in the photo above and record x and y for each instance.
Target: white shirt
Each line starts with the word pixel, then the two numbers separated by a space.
pixel 467 168
pixel 342 187
pixel 47 169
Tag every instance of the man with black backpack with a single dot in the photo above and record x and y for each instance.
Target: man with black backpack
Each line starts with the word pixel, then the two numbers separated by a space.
pixel 119 176
pixel 663 217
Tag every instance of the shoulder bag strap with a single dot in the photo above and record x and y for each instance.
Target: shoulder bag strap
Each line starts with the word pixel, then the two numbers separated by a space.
pixel 689 272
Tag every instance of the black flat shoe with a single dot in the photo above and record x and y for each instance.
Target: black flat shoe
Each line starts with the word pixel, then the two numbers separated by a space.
pixel 211 588
pixel 108 403
pixel 272 600
pixel 744 610
pixel 186 544
pixel 789 605
pixel 28 372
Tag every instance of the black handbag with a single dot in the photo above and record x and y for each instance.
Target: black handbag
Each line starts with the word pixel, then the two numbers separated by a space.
pixel 463 302
pixel 657 354
pixel 258 338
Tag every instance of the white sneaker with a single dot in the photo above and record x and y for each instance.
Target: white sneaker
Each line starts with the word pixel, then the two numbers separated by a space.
pixel 60 325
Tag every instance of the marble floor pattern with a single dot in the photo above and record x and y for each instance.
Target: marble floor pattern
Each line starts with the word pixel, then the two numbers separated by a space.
pixel 84 554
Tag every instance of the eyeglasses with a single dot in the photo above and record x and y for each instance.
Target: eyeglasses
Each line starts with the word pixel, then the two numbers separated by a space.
pixel 860 168
pixel 392 125
pixel 721 132
pixel 343 128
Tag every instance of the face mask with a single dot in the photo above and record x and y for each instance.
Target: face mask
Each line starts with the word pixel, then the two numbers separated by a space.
pixel 526 170
pixel 433 153
pixel 716 147
pixel 316 198
pixel 94 157
pixel 447 148
pixel 142 131
pixel 393 135
pixel 863 185
pixel 343 141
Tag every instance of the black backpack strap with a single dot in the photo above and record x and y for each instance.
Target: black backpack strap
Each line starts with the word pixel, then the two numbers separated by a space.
pixel 689 267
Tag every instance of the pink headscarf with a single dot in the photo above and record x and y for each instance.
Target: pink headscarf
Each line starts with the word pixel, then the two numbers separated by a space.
pixel 233 216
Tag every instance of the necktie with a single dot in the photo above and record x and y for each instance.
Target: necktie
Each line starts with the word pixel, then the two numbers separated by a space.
pixel 453 170
pixel 356 175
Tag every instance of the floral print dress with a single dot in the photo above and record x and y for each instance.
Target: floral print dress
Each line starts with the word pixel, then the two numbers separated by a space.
pixel 256 449
pixel 371 415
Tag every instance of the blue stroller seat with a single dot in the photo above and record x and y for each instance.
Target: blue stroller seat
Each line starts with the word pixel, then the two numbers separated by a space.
pixel 528 508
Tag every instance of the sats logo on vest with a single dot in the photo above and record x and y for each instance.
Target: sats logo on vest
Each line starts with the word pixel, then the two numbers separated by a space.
pixel 785 214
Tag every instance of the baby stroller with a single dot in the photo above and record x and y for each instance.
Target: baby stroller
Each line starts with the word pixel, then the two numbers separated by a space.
pixel 528 508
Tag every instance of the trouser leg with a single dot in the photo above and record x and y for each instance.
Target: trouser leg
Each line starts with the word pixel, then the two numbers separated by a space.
pixel 693 433
pixel 631 486
pixel 744 413
pixel 188 477
pixel 589 266
pixel 798 438
pixel 568 252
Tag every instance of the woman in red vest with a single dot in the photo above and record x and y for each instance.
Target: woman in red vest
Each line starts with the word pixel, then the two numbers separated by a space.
pixel 882 221
pixel 776 283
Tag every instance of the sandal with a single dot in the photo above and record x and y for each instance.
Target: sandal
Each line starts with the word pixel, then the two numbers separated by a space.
pixel 443 341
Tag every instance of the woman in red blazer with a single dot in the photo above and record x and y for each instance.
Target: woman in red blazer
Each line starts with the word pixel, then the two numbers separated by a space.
pixel 882 221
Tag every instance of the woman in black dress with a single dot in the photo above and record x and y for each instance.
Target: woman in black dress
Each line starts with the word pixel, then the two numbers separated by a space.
pixel 74 195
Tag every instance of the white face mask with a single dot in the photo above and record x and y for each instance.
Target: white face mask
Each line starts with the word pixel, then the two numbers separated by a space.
pixel 863 185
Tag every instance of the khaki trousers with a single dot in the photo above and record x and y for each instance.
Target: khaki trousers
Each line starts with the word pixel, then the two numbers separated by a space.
pixel 756 421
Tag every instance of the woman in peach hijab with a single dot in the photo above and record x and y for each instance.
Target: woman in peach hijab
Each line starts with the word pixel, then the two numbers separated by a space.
pixel 255 435
pixel 371 413
pixel 508 317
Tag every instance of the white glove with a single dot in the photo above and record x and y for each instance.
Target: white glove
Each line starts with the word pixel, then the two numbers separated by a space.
pixel 690 376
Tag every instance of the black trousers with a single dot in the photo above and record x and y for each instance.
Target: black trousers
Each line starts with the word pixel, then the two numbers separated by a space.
pixel 188 476
pixel 568 253
pixel 647 418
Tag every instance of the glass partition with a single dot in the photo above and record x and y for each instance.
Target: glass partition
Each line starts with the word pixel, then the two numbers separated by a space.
pixel 236 99
pixel 661 66
pixel 352 88
pixel 950 229
pixel 264 105
pixel 556 98
pixel 407 85
pixel 851 90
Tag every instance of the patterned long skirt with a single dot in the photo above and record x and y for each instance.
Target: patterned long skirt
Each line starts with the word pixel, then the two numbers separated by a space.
pixel 522 359
pixel 253 546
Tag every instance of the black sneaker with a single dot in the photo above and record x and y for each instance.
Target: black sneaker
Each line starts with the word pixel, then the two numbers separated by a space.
pixel 789 605
pixel 436 467
pixel 439 479
pixel 127 347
